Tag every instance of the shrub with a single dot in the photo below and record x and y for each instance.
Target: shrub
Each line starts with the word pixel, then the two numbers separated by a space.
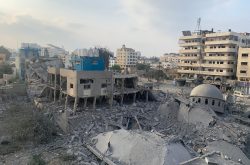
pixel 24 124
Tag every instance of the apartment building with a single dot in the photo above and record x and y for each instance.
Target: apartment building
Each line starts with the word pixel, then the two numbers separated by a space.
pixel 170 57
pixel 169 61
pixel 209 54
pixel 243 66
pixel 112 61
pixel 127 57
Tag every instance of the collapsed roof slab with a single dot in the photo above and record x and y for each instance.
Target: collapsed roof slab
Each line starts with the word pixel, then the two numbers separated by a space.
pixel 138 147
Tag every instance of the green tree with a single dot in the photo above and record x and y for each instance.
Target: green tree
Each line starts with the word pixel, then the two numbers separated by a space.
pixel 5 69
pixel 145 67
pixel 116 68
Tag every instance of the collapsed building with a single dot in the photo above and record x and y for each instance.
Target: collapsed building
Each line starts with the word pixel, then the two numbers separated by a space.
pixel 137 133
pixel 137 147
pixel 93 85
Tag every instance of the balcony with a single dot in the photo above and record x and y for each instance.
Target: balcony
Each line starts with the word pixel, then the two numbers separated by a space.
pixel 222 58
pixel 206 72
pixel 181 51
pixel 221 42
pixel 208 50
pixel 183 44
pixel 242 74
pixel 217 73
pixel 189 57
pixel 219 65
pixel 189 71
pixel 194 36
pixel 189 65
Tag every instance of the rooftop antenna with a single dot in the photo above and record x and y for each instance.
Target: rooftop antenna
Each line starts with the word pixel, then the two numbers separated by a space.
pixel 198 25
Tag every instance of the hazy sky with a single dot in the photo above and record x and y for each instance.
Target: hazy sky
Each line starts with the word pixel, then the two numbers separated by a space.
pixel 149 26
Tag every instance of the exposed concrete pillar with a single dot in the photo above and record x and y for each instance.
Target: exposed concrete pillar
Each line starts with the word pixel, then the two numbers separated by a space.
pixel 66 101
pixel 55 88
pixel 85 102
pixel 50 93
pixel 123 85
pixel 47 91
pixel 134 97
pixel 100 99
pixel 122 95
pixel 94 103
pixel 111 98
pixel 111 101
pixel 60 89
pixel 146 96
pixel 76 103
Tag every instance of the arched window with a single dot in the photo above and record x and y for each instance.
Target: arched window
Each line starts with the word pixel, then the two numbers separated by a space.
pixel 212 102
pixel 199 100
pixel 219 104
pixel 206 101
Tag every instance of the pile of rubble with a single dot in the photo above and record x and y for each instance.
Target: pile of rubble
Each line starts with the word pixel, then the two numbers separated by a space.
pixel 162 118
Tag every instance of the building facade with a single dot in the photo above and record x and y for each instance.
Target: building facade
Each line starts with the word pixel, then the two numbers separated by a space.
pixel 169 61
pixel 243 66
pixel 112 61
pixel 209 54
pixel 127 57
pixel 86 63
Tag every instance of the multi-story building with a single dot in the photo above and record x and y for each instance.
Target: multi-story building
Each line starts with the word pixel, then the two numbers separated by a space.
pixel 243 70
pixel 88 63
pixel 86 52
pixel 3 57
pixel 171 57
pixel 169 61
pixel 243 66
pixel 209 54
pixel 112 61
pixel 30 51
pixel 127 57
pixel 53 51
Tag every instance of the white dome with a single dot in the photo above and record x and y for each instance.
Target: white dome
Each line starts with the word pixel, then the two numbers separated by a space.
pixel 207 90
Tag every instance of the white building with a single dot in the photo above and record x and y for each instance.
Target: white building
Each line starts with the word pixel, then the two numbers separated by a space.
pixel 30 45
pixel 112 61
pixel 53 51
pixel 127 57
pixel 87 52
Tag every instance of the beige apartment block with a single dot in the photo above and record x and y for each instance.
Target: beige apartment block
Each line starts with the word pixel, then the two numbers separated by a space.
pixel 3 57
pixel 209 54
pixel 126 57
pixel 243 66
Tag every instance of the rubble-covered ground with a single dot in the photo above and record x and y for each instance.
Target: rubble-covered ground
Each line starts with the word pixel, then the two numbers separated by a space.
pixel 155 116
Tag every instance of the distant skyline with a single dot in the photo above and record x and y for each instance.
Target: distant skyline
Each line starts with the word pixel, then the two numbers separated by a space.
pixel 149 26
